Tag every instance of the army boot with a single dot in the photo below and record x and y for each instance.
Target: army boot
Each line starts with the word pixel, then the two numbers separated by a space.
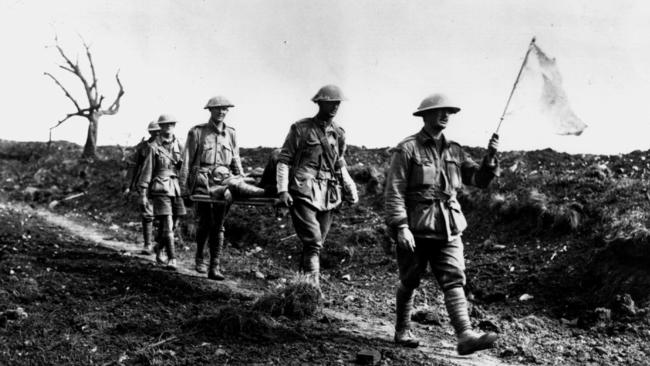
pixel 157 249
pixel 199 260
pixel 171 252
pixel 468 340
pixel 214 273
pixel 403 307
pixel 311 267
pixel 147 233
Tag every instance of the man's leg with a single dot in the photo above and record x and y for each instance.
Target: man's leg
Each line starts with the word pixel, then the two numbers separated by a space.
pixel 412 266
pixel 216 240
pixel 168 237
pixel 147 227
pixel 204 218
pixel 308 230
pixel 449 269
pixel 160 240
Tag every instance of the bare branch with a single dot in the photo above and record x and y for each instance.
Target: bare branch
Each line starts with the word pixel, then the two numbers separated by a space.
pixel 75 69
pixel 67 69
pixel 116 104
pixel 67 94
pixel 93 86
pixel 67 60
pixel 81 113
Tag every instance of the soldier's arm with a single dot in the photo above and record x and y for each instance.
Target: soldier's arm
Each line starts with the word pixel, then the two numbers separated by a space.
pixel 348 183
pixel 343 147
pixel 131 167
pixel 289 147
pixel 478 175
pixel 396 184
pixel 235 165
pixel 285 160
pixel 188 156
pixel 146 172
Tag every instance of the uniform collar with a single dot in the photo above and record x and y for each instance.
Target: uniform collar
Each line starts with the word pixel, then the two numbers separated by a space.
pixel 221 131
pixel 426 136
pixel 322 124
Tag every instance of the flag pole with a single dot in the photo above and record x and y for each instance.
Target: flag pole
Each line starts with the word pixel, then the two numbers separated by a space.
pixel 532 42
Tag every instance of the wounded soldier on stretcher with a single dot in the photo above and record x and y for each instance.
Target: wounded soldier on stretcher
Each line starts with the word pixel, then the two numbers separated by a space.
pixel 239 186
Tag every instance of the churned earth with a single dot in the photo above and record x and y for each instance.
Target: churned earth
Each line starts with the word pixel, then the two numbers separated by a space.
pixel 557 263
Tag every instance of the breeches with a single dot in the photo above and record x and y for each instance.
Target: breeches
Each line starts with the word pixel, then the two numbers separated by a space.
pixel 146 212
pixel 446 260
pixel 311 226
pixel 166 205
pixel 211 217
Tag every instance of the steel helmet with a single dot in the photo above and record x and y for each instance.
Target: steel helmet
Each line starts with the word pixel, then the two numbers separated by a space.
pixel 153 126
pixel 165 119
pixel 329 93
pixel 218 102
pixel 435 101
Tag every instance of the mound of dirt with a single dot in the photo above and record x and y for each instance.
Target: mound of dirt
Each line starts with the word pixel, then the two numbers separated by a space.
pixel 299 299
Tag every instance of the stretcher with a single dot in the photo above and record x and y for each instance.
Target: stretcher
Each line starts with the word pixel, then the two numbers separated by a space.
pixel 250 201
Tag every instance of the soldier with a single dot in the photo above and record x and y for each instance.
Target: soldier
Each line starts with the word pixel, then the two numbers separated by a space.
pixel 209 146
pixel 311 167
pixel 159 180
pixel 426 171
pixel 135 162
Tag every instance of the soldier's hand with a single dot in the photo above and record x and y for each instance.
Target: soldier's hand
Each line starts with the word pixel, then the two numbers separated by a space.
pixel 493 145
pixel 405 239
pixel 144 201
pixel 286 199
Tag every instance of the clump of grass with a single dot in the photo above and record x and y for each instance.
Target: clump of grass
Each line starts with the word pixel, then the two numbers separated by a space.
pixel 299 299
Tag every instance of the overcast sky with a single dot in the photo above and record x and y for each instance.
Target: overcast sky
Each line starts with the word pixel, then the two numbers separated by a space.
pixel 269 57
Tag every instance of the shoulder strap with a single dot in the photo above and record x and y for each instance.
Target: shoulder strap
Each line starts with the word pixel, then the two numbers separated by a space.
pixel 165 153
pixel 327 149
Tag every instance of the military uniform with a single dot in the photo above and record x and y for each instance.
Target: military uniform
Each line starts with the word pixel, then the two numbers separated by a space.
pixel 159 180
pixel 208 147
pixel 312 183
pixel 421 194
pixel 135 163
pixel 424 176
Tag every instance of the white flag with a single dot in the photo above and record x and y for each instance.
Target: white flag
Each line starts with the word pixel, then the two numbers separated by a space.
pixel 541 87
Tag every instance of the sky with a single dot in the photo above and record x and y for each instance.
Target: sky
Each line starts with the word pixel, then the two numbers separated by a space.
pixel 269 57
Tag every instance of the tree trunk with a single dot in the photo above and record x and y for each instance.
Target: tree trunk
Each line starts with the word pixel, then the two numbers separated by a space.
pixel 91 140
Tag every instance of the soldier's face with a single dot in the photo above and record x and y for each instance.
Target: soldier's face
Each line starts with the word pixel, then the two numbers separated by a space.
pixel 437 118
pixel 167 129
pixel 218 114
pixel 328 109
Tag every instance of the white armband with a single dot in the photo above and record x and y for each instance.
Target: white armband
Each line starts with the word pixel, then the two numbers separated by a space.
pixel 282 177
pixel 349 185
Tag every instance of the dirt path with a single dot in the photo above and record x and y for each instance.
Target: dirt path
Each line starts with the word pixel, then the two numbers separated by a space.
pixel 442 350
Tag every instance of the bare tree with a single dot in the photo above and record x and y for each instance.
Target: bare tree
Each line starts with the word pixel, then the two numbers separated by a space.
pixel 94 110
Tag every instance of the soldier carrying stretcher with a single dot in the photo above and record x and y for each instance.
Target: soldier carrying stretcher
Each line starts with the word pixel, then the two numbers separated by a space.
pixel 159 181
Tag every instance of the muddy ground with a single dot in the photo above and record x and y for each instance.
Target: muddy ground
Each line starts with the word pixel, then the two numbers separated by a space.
pixel 557 263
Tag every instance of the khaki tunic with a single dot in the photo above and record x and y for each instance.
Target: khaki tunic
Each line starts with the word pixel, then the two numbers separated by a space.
pixel 311 179
pixel 422 183
pixel 160 170
pixel 208 147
